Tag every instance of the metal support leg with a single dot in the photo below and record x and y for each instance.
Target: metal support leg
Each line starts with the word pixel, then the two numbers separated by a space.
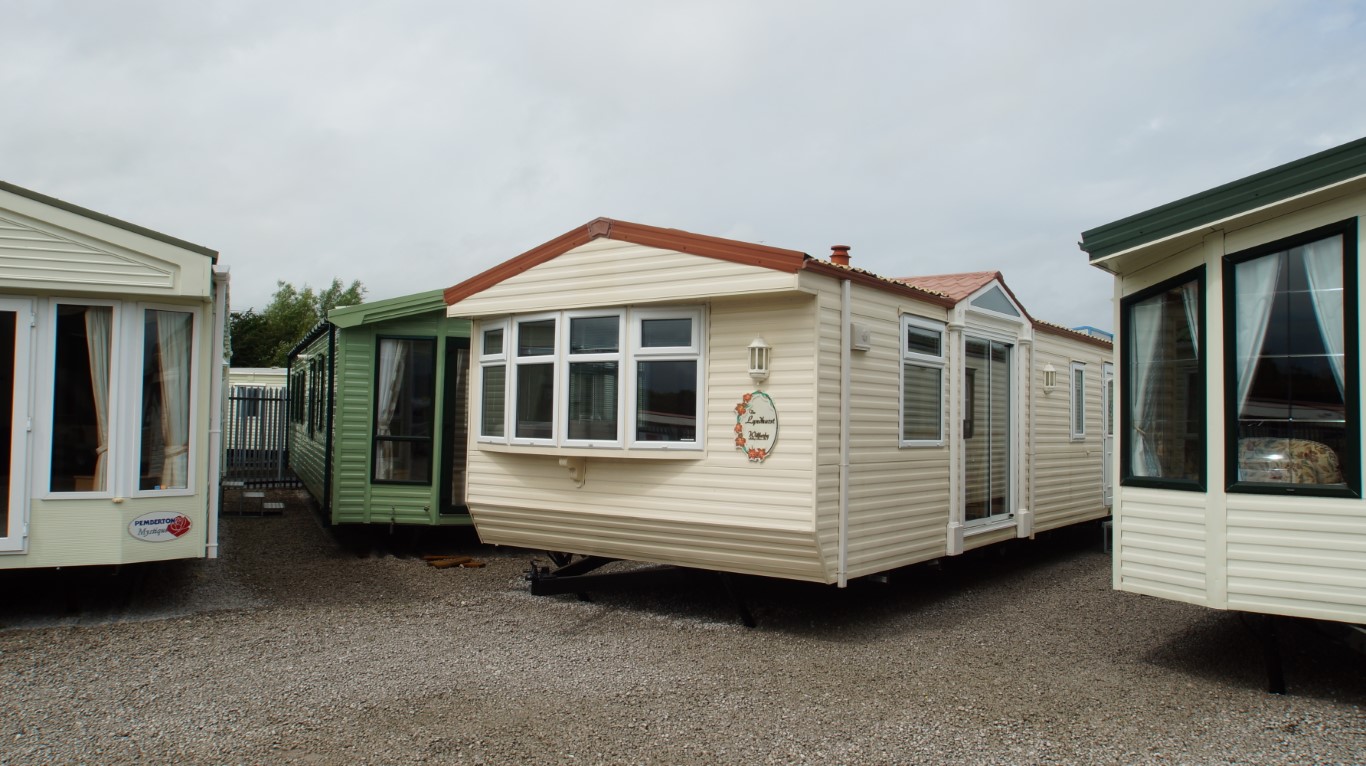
pixel 740 605
pixel 1271 652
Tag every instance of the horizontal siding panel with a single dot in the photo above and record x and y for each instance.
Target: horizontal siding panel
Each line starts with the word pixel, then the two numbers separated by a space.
pixel 1299 605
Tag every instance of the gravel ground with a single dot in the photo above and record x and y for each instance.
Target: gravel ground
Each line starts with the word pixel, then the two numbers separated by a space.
pixel 299 646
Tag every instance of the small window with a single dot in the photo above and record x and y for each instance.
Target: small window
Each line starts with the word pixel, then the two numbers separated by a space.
pixel 534 379
pixel 1291 360
pixel 493 382
pixel 1163 417
pixel 594 363
pixel 667 377
pixel 1078 400
pixel 80 398
pixel 922 382
pixel 405 410
pixel 995 300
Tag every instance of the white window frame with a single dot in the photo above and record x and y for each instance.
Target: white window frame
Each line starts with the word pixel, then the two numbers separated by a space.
pixel 515 363
pixel 1077 405
pixel 921 360
pixel 629 352
pixel 498 358
pixel 567 358
pixel 131 406
pixel 14 536
pixel 47 386
pixel 692 352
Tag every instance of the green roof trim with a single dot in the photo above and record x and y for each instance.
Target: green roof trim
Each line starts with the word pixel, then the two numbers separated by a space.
pixel 108 219
pixel 389 308
pixel 1265 188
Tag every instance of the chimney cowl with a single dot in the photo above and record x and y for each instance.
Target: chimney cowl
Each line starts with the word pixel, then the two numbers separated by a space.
pixel 839 255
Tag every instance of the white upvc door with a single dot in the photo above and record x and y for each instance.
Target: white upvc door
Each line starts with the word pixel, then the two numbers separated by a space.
pixel 16 333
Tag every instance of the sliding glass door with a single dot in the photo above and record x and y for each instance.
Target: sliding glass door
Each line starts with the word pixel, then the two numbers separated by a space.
pixel 986 429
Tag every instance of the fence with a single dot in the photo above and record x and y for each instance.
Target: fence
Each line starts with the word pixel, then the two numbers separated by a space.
pixel 254 438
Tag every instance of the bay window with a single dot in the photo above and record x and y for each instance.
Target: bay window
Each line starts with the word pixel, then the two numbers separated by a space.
pixel 1163 418
pixel 1291 359
pixel 84 338
pixel 168 343
pixel 561 379
pixel 922 382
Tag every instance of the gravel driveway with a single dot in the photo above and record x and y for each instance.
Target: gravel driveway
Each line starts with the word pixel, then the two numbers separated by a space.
pixel 302 647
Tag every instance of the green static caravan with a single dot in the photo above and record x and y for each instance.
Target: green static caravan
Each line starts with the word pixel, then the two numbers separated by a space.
pixel 111 376
pixel 1240 365
pixel 378 410
pixel 655 395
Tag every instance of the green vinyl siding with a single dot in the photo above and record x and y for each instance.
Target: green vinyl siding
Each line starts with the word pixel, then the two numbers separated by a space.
pixel 354 499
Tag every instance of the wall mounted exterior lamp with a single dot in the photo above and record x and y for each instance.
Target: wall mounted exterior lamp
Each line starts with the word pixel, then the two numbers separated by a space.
pixel 1050 378
pixel 759 352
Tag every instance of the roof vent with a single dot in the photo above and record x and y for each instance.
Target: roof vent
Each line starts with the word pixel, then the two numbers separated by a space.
pixel 839 255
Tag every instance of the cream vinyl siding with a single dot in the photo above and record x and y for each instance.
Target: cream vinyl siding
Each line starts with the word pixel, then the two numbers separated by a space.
pixel 898 496
pixel 1160 547
pixel 711 509
pixel 607 272
pixel 1066 472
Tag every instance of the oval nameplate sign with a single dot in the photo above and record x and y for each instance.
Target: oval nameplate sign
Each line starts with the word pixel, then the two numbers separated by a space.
pixel 159 527
pixel 756 426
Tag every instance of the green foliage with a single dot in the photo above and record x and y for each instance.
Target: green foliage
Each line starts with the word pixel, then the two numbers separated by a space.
pixel 264 339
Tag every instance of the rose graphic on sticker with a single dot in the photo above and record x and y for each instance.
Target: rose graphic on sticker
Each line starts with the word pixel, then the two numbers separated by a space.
pixel 179 526
pixel 739 409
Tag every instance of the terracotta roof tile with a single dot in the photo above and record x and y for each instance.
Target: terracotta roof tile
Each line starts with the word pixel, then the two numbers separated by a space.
pixel 956 286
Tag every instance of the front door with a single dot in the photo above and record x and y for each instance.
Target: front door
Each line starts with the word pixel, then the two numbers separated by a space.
pixel 454 437
pixel 986 429
pixel 16 325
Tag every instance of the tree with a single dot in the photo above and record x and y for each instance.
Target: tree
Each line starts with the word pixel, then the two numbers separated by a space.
pixel 264 339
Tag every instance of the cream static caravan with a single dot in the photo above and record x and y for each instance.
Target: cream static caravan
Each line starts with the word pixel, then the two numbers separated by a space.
pixel 112 352
pixel 654 395
pixel 1240 383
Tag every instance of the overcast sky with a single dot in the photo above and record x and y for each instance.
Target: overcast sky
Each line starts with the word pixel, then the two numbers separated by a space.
pixel 411 145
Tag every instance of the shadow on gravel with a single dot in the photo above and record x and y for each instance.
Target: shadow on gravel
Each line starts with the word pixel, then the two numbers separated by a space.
pixel 1226 647
pixel 867 607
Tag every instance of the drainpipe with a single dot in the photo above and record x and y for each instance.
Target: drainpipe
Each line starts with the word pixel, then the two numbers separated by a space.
pixel 846 341
pixel 221 278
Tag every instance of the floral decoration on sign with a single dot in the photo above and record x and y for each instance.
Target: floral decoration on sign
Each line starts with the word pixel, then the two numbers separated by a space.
pixel 756 426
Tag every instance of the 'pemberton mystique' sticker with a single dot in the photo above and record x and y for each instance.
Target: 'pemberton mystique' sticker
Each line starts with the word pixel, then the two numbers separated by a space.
pixel 159 527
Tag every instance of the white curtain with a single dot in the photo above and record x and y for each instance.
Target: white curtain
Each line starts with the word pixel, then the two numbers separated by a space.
pixel 98 323
pixel 1255 282
pixel 1146 332
pixel 1190 298
pixel 1323 265
pixel 392 354
pixel 173 346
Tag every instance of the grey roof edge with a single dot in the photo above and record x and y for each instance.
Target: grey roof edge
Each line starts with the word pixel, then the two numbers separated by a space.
pixel 107 219
pixel 1316 171
pixel 388 308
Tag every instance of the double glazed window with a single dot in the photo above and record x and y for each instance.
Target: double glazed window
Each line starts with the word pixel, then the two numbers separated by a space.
pixel 100 391
pixel 405 410
pixel 922 381
pixel 1163 426
pixel 1078 407
pixel 1290 332
pixel 592 378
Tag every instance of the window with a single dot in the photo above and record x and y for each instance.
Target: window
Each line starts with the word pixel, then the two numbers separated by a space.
pixel 560 379
pixel 1163 417
pixel 1291 359
pixel 1078 407
pixel 80 398
pixel 405 410
pixel 922 382
pixel 168 342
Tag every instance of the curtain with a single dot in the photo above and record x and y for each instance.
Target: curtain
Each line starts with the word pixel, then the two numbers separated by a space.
pixel 98 322
pixel 173 347
pixel 1255 285
pixel 1323 266
pixel 1147 328
pixel 1190 299
pixel 392 354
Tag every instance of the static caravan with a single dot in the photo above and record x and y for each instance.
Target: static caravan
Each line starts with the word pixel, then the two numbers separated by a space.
pixel 112 354
pixel 377 413
pixel 655 395
pixel 1240 389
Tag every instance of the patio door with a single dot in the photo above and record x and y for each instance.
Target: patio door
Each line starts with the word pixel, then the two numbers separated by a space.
pixel 16 327
pixel 986 429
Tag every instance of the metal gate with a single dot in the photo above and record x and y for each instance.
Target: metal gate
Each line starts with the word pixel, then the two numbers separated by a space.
pixel 254 438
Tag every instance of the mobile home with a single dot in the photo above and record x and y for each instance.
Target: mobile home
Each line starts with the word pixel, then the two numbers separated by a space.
pixel 655 395
pixel 377 412
pixel 1240 388
pixel 112 357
